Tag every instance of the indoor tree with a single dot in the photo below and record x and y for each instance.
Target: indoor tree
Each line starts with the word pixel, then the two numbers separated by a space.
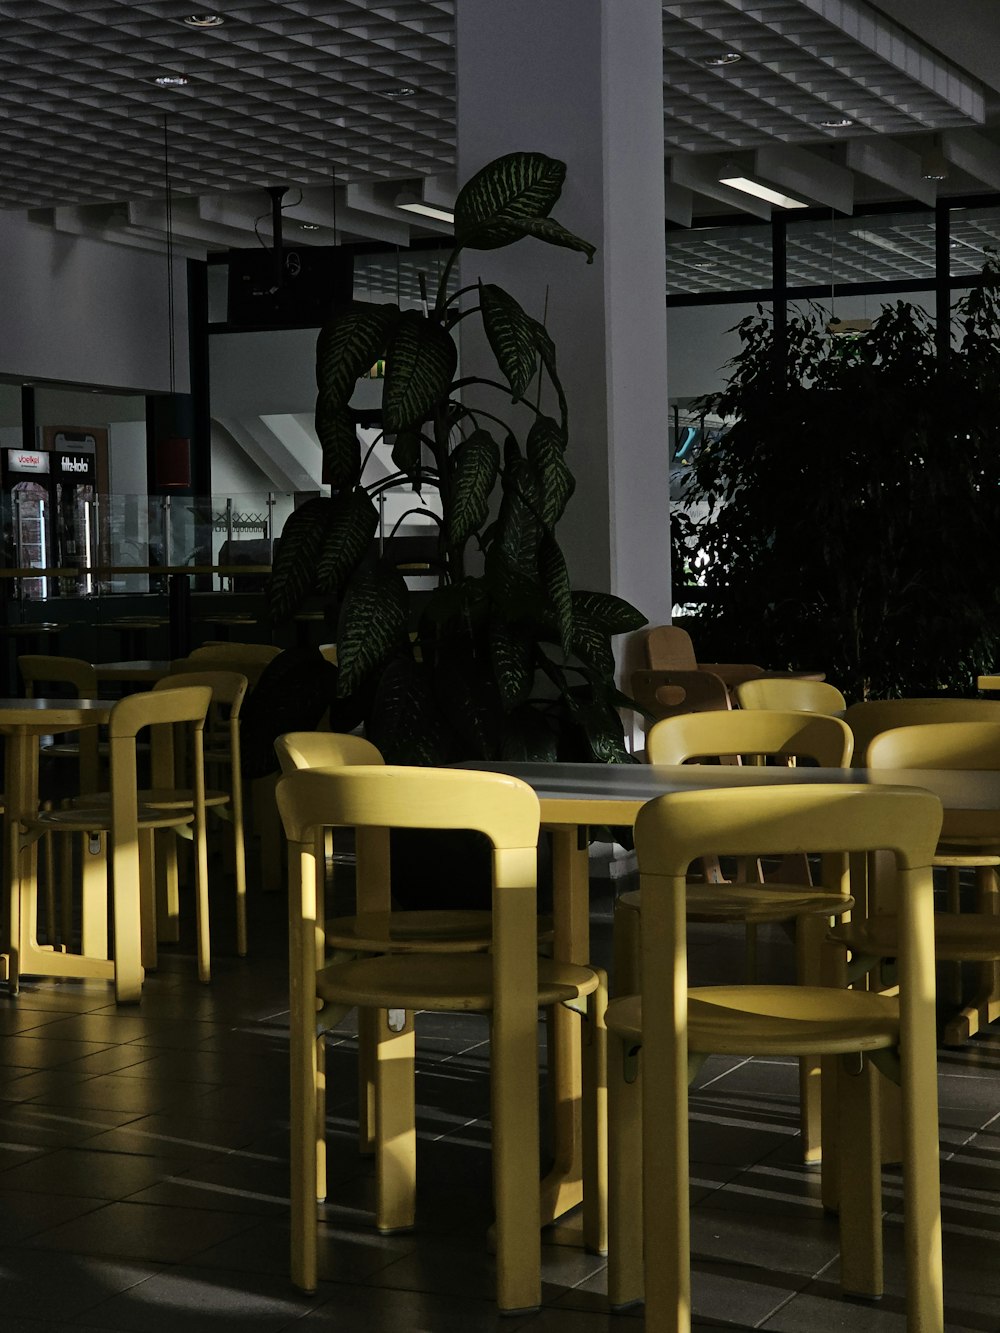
pixel 848 512
pixel 504 658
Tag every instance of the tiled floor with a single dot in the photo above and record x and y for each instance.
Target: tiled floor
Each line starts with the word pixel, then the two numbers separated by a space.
pixel 143 1177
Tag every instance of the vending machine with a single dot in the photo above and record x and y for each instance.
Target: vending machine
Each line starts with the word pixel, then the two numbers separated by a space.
pixel 49 514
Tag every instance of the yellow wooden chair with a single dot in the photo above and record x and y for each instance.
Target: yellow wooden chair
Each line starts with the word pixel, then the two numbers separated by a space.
pixel 38 670
pixel 790 694
pixel 823 740
pixel 384 930
pixel 657 1036
pixel 120 820
pixel 509 983
pixel 866 720
pixel 970 839
pixel 224 785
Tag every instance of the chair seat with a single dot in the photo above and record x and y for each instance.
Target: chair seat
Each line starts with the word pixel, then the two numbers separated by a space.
pixel 753 902
pixel 418 932
pixel 153 798
pixel 775 1020
pixel 958 936
pixel 96 819
pixel 462 982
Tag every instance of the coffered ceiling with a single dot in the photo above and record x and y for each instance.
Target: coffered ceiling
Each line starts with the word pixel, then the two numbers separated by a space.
pixel 349 102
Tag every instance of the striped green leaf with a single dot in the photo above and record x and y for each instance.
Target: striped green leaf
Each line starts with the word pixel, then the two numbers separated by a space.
pixel 611 614
pixel 475 466
pixel 510 189
pixel 338 438
pixel 295 557
pixel 350 528
pixel 591 644
pixel 405 721
pixel 554 233
pixel 555 579
pixel 512 655
pixel 519 524
pixel 513 336
pixel 419 364
pixel 349 345
pixel 546 451
pixel 406 451
pixel 373 624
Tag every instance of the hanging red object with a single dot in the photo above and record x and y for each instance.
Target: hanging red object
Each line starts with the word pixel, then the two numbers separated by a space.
pixel 173 462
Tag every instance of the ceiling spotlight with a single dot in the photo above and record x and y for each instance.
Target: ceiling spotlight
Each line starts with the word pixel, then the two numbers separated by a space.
pixel 171 80
pixel 203 21
pixel 400 90
pixel 836 123
pixel 934 165
pixel 724 58
pixel 309 226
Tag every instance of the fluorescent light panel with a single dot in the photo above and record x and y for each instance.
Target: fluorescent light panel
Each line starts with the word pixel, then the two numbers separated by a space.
pixel 429 211
pixel 760 191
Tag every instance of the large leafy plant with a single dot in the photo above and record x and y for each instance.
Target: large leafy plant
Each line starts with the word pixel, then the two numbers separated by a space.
pixel 847 518
pixel 504 659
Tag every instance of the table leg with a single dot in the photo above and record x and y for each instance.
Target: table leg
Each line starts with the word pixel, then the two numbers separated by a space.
pixel 562 1188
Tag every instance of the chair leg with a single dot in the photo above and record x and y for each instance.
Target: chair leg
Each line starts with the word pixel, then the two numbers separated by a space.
pixel 395 1122
pixel 200 851
pixel 809 949
pixel 514 1096
pixel 147 897
pixel 167 887
pixel 595 1122
pixel 239 867
pixel 860 1177
pixel 625 1250
pixel 94 895
pixel 368 1020
pixel 984 1008
pixel 306 1129
pixel 625 964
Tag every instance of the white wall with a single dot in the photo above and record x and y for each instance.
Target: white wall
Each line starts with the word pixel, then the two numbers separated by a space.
pixel 82 311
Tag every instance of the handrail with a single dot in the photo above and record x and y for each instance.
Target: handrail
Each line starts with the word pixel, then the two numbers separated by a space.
pixel 104 571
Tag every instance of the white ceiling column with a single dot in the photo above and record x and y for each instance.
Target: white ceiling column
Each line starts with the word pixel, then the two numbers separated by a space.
pixel 584 83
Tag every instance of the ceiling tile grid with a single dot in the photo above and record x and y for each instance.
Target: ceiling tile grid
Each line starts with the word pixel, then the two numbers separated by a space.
pixel 284 92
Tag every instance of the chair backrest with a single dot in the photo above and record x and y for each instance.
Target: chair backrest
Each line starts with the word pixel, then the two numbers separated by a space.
pixel 669 648
pixel 972 745
pixel 150 708
pixel 251 652
pixel 323 749
pixel 663 693
pixel 373 799
pixel 790 694
pixel 228 687
pixel 866 720
pixel 39 669
pixel 676 740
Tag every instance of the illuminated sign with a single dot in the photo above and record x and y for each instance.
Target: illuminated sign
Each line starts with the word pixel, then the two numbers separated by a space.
pixel 27 460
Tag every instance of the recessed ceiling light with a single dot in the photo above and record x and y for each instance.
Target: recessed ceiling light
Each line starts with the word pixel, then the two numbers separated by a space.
pixel 309 226
pixel 400 90
pixel 171 80
pixel 204 21
pixel 836 123
pixel 724 58
pixel 760 191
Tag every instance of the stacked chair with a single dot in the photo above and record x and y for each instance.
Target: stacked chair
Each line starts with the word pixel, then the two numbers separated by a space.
pixel 658 1036
pixel 970 840
pixel 702 737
